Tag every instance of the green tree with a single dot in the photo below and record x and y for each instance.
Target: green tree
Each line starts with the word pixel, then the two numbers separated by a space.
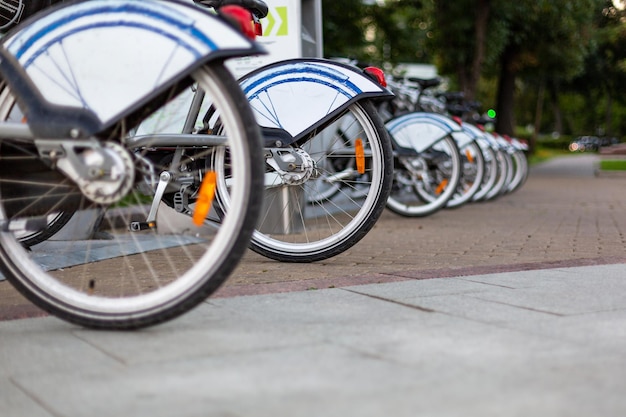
pixel 399 30
pixel 541 40
pixel 545 39
pixel 604 77
pixel 381 33
pixel 531 48
pixel 344 28
pixel 465 38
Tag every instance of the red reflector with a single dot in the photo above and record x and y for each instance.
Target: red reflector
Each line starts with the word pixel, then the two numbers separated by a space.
pixel 258 28
pixel 458 120
pixel 241 18
pixel 378 75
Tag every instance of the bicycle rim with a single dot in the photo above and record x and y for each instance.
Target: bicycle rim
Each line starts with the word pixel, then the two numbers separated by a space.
pixel 115 278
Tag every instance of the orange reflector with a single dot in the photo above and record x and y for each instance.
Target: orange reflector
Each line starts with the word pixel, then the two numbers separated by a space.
pixel 205 198
pixel 469 155
pixel 360 156
pixel 442 186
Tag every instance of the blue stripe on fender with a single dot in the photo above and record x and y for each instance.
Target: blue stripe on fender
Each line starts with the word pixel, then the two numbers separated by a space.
pixel 337 79
pixel 124 9
pixel 57 39
pixel 437 120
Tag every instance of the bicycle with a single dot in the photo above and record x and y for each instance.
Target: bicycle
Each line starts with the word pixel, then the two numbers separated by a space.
pixel 429 165
pixel 328 157
pixel 65 148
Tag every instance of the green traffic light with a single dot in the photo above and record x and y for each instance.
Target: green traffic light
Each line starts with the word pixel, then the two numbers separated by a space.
pixel 491 113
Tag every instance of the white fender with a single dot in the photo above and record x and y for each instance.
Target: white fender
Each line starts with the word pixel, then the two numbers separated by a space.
pixel 106 55
pixel 473 130
pixel 484 141
pixel 298 95
pixel 420 131
pixel 463 138
pixel 503 143
pixel 475 134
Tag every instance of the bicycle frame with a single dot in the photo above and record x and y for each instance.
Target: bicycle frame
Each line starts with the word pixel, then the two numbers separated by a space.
pixel 35 61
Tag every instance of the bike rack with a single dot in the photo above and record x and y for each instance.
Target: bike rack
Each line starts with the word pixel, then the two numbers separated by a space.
pixel 284 216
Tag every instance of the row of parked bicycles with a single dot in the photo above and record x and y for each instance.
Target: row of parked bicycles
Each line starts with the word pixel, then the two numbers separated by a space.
pixel 134 175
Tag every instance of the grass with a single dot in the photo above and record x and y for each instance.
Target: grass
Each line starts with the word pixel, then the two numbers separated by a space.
pixel 613 165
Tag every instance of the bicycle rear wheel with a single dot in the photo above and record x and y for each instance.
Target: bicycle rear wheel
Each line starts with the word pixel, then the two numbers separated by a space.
pixel 123 277
pixel 334 200
pixel 425 182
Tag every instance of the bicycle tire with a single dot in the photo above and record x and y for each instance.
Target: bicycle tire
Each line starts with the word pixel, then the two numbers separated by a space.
pixel 424 183
pixel 136 279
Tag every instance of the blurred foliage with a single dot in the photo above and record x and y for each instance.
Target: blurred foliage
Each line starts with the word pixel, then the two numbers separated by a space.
pixel 542 154
pixel 379 33
pixel 567 58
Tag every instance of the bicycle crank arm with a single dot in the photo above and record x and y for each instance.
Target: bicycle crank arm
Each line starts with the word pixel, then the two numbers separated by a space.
pixel 150 222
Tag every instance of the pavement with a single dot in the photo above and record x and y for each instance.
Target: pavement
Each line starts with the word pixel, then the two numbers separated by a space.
pixel 507 308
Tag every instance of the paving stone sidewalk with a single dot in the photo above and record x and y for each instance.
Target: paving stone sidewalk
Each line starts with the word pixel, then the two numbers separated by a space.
pixel 564 215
